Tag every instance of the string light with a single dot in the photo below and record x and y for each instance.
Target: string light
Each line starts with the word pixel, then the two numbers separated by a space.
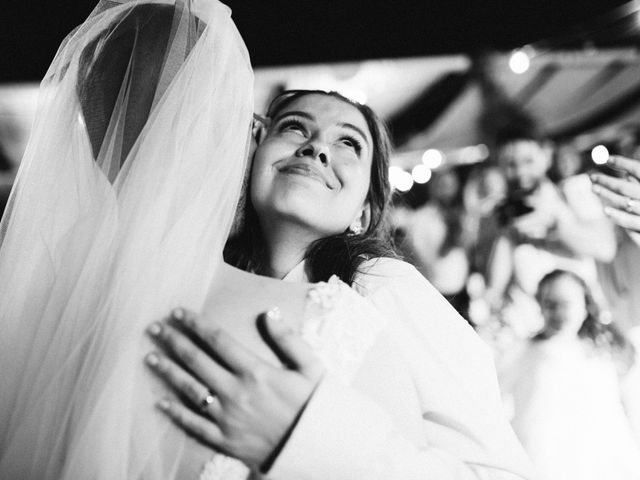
pixel 421 173
pixel 432 158
pixel 600 154
pixel 519 61
pixel 400 179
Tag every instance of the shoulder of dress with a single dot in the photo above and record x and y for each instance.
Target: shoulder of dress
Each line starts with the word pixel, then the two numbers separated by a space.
pixel 382 272
pixel 385 267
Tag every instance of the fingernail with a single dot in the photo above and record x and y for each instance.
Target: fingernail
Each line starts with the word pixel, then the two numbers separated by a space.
pixel 155 329
pixel 612 159
pixel 164 405
pixel 596 188
pixel 607 211
pixel 178 314
pixel 153 359
pixel 274 315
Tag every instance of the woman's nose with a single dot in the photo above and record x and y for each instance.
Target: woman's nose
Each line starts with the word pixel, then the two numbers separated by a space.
pixel 316 150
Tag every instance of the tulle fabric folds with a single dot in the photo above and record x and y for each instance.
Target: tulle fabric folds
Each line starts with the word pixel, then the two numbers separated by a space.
pixel 120 210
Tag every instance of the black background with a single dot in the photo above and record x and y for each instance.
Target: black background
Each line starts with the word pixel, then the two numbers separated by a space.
pixel 279 32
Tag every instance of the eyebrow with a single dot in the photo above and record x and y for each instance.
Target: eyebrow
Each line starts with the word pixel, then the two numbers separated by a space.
pixel 297 113
pixel 300 113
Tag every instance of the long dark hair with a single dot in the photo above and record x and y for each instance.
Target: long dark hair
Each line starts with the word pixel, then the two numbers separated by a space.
pixel 601 334
pixel 339 254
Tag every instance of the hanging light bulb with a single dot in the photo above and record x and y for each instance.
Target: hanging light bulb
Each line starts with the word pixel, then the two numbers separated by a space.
pixel 519 62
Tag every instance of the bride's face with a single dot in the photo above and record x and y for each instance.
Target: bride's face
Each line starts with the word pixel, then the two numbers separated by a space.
pixel 313 166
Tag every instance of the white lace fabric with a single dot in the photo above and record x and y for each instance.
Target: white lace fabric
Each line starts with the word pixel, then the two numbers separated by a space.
pixel 340 328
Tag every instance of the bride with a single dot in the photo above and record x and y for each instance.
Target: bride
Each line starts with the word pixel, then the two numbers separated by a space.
pixel 124 199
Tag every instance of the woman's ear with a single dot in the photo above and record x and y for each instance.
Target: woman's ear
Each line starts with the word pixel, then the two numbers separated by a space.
pixel 361 222
pixel 260 126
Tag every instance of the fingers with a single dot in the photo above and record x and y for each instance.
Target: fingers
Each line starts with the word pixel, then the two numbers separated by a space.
pixel 194 359
pixel 299 354
pixel 201 428
pixel 232 353
pixel 628 165
pixel 624 219
pixel 619 202
pixel 616 185
pixel 184 383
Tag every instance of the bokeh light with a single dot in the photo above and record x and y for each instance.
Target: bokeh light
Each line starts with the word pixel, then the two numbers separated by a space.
pixel 421 173
pixel 432 158
pixel 519 62
pixel 600 154
pixel 400 179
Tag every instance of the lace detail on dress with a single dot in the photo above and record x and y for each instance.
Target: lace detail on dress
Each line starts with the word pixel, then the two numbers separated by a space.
pixel 340 326
pixel 221 467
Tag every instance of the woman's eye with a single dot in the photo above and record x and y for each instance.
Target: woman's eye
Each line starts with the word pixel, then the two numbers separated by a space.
pixel 293 126
pixel 351 143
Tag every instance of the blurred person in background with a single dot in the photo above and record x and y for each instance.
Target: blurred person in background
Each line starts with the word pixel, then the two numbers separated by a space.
pixel 432 238
pixel 567 162
pixel 542 227
pixel 485 189
pixel 564 389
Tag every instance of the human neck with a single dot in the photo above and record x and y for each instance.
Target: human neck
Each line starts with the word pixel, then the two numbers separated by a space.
pixel 286 247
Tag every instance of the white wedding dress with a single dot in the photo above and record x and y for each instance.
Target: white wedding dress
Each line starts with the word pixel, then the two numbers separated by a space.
pixel 120 211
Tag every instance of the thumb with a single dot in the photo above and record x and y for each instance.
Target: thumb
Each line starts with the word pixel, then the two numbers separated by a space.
pixel 290 347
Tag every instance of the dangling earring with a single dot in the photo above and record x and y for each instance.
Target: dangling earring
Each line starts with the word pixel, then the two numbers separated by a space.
pixel 355 229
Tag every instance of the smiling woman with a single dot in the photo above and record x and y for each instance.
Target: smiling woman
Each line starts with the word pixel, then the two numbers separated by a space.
pixel 313 139
pixel 319 189
pixel 359 382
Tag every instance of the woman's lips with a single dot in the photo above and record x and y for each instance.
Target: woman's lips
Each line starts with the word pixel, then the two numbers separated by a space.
pixel 305 170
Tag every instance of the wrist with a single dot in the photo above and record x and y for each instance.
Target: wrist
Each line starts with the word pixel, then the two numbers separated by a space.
pixel 268 462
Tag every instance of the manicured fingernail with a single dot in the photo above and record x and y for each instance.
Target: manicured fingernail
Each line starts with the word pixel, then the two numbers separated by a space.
pixel 164 405
pixel 178 314
pixel 153 359
pixel 596 188
pixel 612 159
pixel 155 329
pixel 607 211
pixel 274 315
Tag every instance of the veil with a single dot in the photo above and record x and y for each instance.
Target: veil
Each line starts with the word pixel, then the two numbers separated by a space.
pixel 120 210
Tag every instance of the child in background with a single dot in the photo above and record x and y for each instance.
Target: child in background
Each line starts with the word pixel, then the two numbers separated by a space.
pixel 565 389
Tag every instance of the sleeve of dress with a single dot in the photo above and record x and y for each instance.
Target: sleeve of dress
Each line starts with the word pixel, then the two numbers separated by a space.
pixel 344 434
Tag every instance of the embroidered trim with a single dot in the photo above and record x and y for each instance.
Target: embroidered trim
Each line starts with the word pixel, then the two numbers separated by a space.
pixel 221 467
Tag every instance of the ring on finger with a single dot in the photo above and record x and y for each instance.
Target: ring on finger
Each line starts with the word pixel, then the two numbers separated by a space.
pixel 631 205
pixel 207 400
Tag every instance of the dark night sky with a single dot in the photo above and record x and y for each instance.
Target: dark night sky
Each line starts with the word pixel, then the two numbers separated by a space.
pixel 306 31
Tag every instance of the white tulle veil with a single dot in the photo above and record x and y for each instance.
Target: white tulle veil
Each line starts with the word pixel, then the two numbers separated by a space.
pixel 119 212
